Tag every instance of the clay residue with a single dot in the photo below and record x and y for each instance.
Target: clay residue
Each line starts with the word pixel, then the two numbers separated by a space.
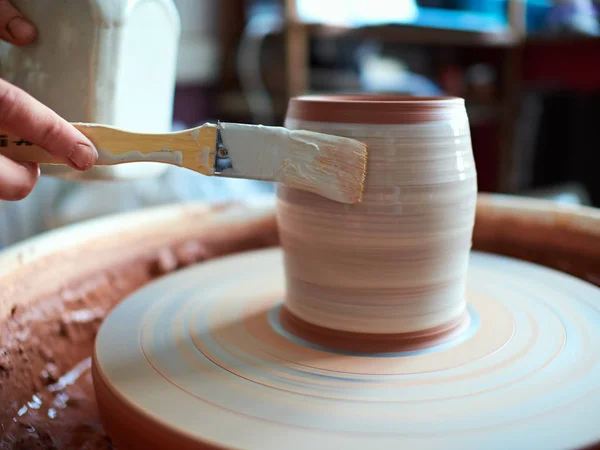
pixel 63 415
pixel 47 399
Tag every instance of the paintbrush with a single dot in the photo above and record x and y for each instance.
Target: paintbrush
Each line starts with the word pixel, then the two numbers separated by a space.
pixel 330 166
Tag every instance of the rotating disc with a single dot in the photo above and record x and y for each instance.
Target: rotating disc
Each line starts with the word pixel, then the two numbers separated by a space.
pixel 199 359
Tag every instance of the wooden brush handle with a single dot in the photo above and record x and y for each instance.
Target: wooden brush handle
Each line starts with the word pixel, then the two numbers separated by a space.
pixel 194 148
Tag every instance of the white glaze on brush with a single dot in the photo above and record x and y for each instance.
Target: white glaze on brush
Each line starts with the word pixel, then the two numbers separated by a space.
pixel 204 153
pixel 327 165
pixel 265 153
pixel 396 262
pixel 166 155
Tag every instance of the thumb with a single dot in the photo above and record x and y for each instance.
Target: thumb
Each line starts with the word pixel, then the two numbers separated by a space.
pixel 24 116
pixel 14 28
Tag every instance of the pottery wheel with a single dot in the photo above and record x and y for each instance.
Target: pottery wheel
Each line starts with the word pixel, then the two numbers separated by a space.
pixel 199 358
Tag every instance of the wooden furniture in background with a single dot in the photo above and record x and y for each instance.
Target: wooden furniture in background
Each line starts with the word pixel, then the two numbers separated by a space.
pixel 518 59
pixel 299 33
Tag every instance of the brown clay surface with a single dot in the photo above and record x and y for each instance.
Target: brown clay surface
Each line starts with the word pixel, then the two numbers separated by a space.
pixel 47 330
pixel 371 342
pixel 562 238
pixel 46 395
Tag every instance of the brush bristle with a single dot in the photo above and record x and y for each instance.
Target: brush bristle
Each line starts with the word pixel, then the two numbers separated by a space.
pixel 337 171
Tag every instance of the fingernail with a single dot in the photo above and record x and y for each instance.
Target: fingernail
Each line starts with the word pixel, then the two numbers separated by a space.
pixel 83 156
pixel 20 29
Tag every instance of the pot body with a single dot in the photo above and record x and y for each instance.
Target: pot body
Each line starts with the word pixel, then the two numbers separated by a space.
pixel 395 263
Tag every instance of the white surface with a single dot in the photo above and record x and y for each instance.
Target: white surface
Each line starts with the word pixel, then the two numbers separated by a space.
pixel 199 48
pixel 266 153
pixel 357 12
pixel 146 59
pixel 199 60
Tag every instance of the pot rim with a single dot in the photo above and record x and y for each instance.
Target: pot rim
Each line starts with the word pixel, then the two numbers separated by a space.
pixel 375 109
pixel 379 98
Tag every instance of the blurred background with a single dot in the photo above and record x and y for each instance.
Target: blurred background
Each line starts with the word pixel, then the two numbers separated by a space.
pixel 529 71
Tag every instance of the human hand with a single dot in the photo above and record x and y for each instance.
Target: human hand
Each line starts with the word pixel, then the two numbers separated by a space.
pixel 24 116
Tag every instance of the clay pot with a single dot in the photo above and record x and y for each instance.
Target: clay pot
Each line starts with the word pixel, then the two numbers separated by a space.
pixel 393 266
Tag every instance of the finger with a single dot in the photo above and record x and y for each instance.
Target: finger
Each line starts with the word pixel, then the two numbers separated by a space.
pixel 14 28
pixel 17 179
pixel 24 116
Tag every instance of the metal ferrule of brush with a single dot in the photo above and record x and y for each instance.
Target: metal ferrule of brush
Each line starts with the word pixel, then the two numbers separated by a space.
pixel 222 159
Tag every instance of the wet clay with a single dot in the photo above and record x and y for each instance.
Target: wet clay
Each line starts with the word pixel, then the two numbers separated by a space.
pixel 395 264
pixel 46 338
